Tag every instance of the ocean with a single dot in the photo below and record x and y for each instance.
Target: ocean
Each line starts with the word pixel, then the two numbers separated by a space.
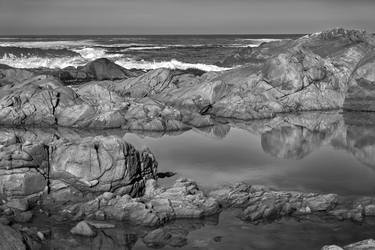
pixel 132 52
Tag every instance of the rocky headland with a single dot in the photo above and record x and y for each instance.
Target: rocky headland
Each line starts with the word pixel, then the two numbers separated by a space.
pixel 57 161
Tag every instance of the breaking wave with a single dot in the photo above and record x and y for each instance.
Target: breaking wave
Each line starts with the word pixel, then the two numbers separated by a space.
pixel 173 64
pixel 127 53
pixel 62 62
pixel 35 52
pixel 48 44
pixel 247 42
pixel 42 62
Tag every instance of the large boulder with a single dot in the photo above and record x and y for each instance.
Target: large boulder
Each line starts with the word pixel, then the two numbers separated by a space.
pixel 102 164
pixel 97 70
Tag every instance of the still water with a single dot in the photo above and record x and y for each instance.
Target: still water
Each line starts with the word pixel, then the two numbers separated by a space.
pixel 335 157
pixel 327 152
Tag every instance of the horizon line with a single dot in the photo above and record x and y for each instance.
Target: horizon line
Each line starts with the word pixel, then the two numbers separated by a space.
pixel 161 34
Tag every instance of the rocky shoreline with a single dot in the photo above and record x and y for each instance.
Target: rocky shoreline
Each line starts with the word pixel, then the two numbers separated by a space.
pixel 88 180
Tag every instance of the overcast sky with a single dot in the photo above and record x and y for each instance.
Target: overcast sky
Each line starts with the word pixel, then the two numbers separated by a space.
pixel 19 17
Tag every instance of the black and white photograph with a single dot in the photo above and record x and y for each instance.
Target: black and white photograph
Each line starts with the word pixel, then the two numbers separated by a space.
pixel 187 124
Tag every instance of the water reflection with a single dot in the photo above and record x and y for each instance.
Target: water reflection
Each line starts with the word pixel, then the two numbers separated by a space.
pixel 311 151
pixel 224 232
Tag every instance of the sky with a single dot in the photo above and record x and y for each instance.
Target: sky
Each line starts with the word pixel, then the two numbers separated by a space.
pixel 82 17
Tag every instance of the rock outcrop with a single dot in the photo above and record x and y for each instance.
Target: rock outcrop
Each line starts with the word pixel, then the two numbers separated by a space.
pixel 44 101
pixel 313 72
pixel 261 204
pixel 155 208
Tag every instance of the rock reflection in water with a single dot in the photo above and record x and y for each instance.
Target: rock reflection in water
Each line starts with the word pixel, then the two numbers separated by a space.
pixel 293 137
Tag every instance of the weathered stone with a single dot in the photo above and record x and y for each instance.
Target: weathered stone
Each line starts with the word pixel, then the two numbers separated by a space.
pixel 361 245
pixel 100 225
pixel 332 247
pixel 23 217
pixel 19 204
pixel 10 238
pixel 321 202
pixel 82 228
pixel 102 164
pixel 261 203
pixel 183 200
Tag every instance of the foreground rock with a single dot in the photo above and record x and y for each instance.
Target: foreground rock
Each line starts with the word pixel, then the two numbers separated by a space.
pixel 158 206
pixel 102 164
pixel 10 239
pixel 361 245
pixel 62 161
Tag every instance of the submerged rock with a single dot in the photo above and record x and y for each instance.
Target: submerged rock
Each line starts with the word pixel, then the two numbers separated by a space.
pixel 82 228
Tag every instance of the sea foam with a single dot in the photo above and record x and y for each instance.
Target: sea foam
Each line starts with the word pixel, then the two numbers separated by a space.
pixel 62 62
pixel 173 64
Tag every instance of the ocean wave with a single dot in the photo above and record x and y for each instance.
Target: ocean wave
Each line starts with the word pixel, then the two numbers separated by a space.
pixel 94 53
pixel 35 52
pixel 39 62
pixel 173 64
pixel 48 44
pixel 75 61
pixel 250 42
pixel 144 48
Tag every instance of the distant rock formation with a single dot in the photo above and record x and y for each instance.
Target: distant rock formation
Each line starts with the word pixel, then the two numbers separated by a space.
pixel 97 70
pixel 313 72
